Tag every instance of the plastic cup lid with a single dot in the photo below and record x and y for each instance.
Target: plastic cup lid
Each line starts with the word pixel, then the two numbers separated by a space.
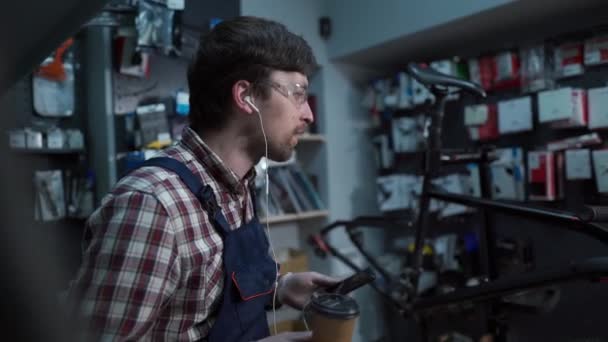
pixel 335 305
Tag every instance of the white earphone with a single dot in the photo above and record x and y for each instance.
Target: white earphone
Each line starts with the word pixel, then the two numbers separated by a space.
pixel 254 107
pixel 265 168
pixel 248 100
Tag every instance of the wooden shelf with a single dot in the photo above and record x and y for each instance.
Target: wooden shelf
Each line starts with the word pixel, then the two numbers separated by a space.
pixel 319 138
pixel 48 150
pixel 308 215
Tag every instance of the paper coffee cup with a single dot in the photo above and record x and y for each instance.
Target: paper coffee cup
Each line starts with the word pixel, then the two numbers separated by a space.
pixel 333 317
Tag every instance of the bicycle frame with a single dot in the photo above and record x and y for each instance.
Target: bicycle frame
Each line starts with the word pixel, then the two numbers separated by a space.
pixel 585 222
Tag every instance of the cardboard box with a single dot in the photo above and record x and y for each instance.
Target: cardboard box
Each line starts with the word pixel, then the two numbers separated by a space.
pixel 598 107
pixel 295 261
pixel 507 174
pixel 569 58
pixel 482 121
pixel 596 50
pixel 545 175
pixel 600 169
pixel 515 115
pixel 287 325
pixel 564 107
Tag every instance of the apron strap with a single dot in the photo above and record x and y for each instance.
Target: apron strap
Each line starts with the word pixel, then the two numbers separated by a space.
pixel 204 193
pixel 252 193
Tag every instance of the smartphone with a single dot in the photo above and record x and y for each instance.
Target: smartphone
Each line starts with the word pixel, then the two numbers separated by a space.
pixel 353 282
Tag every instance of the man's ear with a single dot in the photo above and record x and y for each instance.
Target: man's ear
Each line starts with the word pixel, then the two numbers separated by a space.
pixel 241 90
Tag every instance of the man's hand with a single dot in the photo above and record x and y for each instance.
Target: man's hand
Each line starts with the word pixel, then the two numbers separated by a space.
pixel 289 337
pixel 295 289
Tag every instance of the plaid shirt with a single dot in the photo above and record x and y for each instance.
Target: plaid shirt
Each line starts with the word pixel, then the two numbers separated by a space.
pixel 152 268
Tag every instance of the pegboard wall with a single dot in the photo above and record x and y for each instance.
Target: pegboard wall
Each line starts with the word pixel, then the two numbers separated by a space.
pixel 63 236
pixel 167 75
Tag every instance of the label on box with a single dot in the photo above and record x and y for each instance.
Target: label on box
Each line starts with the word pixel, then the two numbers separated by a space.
pixel 515 115
pixel 475 115
pixel 578 164
pixel 572 70
pixel 177 5
pixel 555 105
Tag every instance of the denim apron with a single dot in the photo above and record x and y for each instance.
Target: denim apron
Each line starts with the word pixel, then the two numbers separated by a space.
pixel 249 271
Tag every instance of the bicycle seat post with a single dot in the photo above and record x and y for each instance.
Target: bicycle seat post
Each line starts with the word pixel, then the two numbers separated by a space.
pixel 432 159
pixel 440 86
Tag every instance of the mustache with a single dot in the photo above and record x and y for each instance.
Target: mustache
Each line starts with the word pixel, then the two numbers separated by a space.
pixel 301 129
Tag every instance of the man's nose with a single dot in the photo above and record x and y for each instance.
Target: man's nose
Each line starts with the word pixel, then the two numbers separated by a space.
pixel 306 112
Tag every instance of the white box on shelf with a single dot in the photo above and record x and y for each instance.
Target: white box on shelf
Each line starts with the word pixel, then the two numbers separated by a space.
pixel 389 193
pixel 397 192
pixel 55 139
pixel 565 106
pixel 445 66
pixel 580 111
pixel 507 174
pixel 16 138
pixel 75 139
pixel 598 107
pixel 407 134
pixel 384 154
pixel 454 184
pixel 600 168
pixel 507 65
pixel 404 98
pixel 515 115
pixel 33 139
pixel 474 180
pixel 420 94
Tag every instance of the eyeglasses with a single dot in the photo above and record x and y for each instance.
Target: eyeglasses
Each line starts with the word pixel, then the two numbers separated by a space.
pixel 297 91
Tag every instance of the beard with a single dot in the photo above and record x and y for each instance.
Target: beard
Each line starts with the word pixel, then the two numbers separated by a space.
pixel 279 152
pixel 280 148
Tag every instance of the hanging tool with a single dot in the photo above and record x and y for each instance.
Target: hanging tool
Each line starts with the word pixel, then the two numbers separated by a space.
pixel 55 70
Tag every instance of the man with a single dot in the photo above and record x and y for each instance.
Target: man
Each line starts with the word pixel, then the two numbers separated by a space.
pixel 175 252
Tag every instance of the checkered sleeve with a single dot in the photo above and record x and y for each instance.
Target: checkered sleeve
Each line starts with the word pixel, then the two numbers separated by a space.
pixel 130 266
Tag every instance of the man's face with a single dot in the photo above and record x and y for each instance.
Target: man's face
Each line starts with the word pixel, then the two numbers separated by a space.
pixel 286 113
